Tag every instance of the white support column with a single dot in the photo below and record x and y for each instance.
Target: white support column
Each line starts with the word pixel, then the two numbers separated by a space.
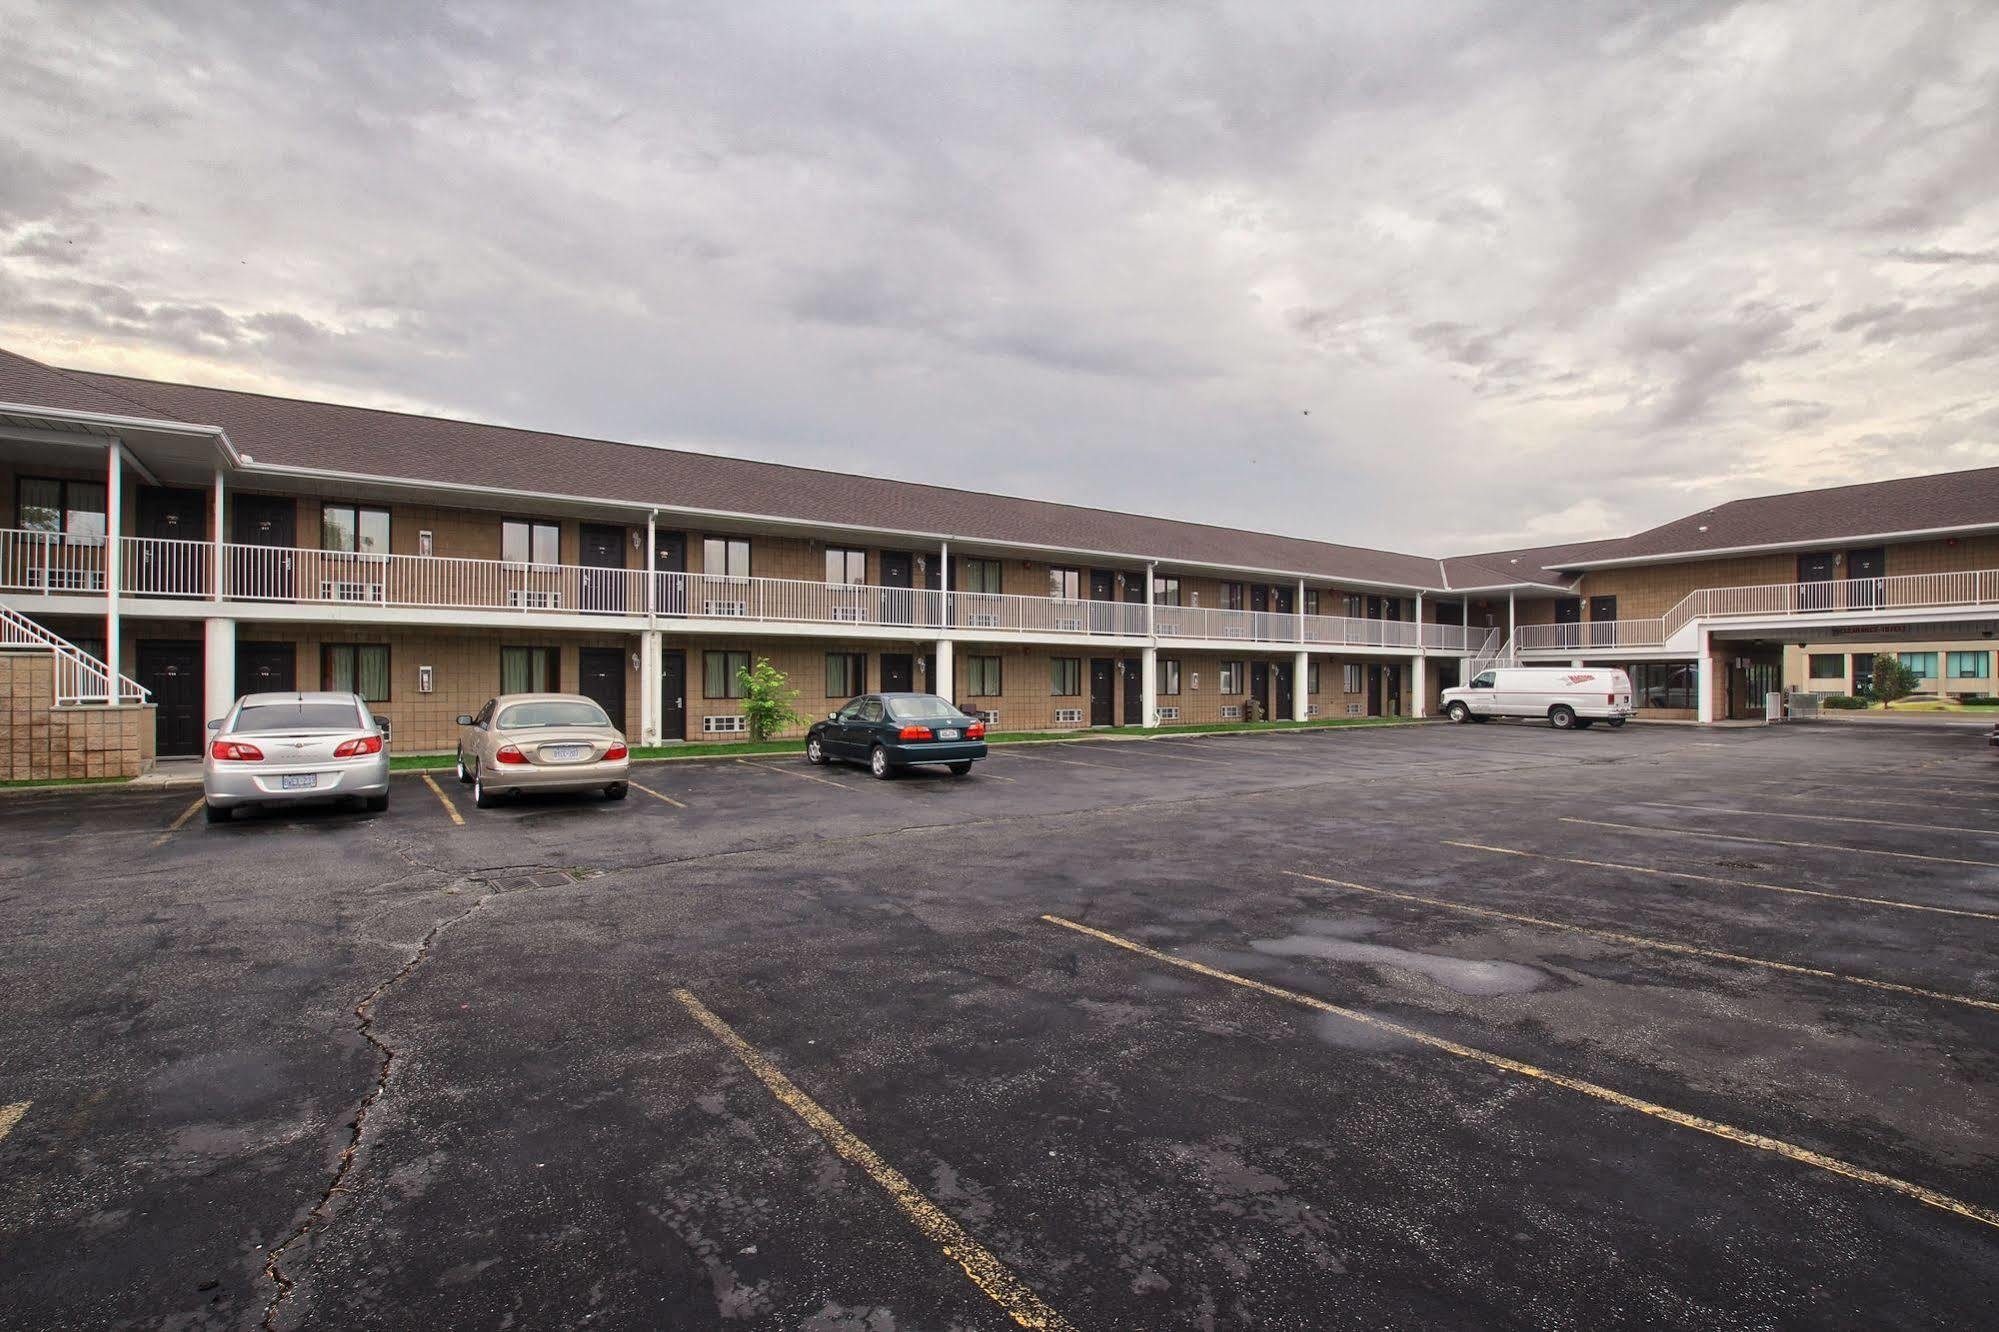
pixel 114 562
pixel 1510 622
pixel 652 586
pixel 945 686
pixel 943 589
pixel 1301 675
pixel 1704 678
pixel 1299 607
pixel 1151 578
pixel 1148 674
pixel 1420 686
pixel 218 666
pixel 649 659
pixel 218 537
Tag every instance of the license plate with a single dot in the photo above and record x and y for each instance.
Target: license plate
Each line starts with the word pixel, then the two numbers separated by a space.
pixel 298 781
pixel 565 753
pixel 947 735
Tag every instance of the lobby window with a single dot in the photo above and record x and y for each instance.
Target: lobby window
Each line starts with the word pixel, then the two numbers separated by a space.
pixel 725 557
pixel 356 668
pixel 529 670
pixel 1828 666
pixel 1065 584
pixel 73 508
pixel 846 566
pixel 1230 677
pixel 523 542
pixel 721 674
pixel 1970 665
pixel 354 529
pixel 1924 664
pixel 1065 676
pixel 846 674
pixel 979 576
pixel 1169 675
pixel 1166 591
pixel 982 677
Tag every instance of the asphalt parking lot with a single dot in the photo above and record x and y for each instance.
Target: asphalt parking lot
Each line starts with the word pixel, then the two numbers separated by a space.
pixel 1451 1026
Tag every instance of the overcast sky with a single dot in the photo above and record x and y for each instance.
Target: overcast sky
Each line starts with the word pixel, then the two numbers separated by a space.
pixel 1436 277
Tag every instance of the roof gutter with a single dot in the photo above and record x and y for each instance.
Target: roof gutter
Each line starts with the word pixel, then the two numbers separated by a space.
pixel 1718 552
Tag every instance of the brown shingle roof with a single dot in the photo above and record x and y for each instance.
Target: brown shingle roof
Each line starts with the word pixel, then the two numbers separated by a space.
pixel 371 442
pixel 34 384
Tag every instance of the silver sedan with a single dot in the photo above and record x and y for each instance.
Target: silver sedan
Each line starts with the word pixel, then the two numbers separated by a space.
pixel 541 742
pixel 282 748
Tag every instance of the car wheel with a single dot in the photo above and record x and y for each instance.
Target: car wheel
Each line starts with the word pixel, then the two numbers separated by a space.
pixel 615 791
pixel 481 797
pixel 375 804
pixel 1614 722
pixel 960 769
pixel 814 753
pixel 217 813
pixel 464 777
pixel 1458 713
pixel 878 763
pixel 1562 717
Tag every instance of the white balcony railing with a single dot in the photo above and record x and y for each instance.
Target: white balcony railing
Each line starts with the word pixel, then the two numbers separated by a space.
pixel 1588 636
pixel 50 563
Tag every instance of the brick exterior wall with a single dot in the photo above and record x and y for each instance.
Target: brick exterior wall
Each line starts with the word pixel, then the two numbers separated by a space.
pixel 48 743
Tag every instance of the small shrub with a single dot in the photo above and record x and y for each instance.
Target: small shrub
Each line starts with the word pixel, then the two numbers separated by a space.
pixel 1893 680
pixel 1842 702
pixel 767 704
pixel 1979 701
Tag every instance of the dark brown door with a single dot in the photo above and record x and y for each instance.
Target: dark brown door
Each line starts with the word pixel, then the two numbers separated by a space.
pixel 1864 569
pixel 171 669
pixel 898 672
pixel 1391 690
pixel 669 556
pixel 165 567
pixel 1134 693
pixel 1280 675
pixel 673 695
pixel 262 521
pixel 1103 602
pixel 266 668
pixel 1259 686
pixel 603 676
pixel 1282 598
pixel 897 602
pixel 1602 617
pixel 1569 610
pixel 1374 691
pixel 1814 569
pixel 1103 691
pixel 1134 587
pixel 602 546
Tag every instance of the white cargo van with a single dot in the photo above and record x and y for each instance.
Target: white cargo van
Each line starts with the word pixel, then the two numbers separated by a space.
pixel 1568 696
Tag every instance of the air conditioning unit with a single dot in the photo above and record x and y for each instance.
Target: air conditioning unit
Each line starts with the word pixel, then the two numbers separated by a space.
pixel 737 609
pixel 1169 714
pixel 1068 626
pixel 1231 711
pixel 337 590
pixel 991 719
pixel 846 614
pixel 530 598
pixel 1168 628
pixel 982 620
pixel 1353 709
pixel 723 725
pixel 1235 631
pixel 1311 709
pixel 1068 715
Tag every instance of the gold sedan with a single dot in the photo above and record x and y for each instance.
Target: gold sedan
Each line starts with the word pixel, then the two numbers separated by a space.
pixel 541 742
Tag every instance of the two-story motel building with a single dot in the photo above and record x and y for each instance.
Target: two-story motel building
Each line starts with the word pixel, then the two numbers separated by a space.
pixel 212 542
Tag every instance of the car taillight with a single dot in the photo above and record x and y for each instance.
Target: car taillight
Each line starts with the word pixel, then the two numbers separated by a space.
pixel 509 754
pixel 236 751
pixel 976 731
pixel 367 744
pixel 917 733
pixel 617 752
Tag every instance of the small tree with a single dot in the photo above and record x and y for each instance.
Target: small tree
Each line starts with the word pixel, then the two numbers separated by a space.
pixel 767 704
pixel 1892 680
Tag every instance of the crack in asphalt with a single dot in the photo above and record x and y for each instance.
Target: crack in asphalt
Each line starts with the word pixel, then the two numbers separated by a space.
pixel 364 1024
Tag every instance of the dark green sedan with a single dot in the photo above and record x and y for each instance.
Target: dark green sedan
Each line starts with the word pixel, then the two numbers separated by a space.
pixel 893 731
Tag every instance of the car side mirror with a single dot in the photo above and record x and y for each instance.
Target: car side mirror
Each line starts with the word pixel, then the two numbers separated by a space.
pixel 832 716
pixel 464 719
pixel 382 725
pixel 215 725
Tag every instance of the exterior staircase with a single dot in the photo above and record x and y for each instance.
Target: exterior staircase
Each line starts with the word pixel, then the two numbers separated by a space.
pixel 63 713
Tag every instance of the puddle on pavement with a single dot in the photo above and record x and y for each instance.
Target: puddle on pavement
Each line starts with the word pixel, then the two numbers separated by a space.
pixel 1455 973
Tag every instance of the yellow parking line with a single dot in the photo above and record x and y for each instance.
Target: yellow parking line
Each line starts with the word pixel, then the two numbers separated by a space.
pixel 988 1273
pixel 656 795
pixel 444 800
pixel 1662 945
pixel 178 823
pixel 1818 818
pixel 1739 883
pixel 801 776
pixel 10 1115
pixel 1773 841
pixel 1745 1137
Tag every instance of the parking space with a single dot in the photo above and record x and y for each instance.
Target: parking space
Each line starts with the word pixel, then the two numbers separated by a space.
pixel 1478 1026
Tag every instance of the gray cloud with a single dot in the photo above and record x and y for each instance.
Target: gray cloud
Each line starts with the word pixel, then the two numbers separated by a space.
pixel 1415 276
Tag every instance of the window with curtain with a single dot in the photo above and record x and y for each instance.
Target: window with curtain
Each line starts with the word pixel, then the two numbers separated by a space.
pixel 1166 591
pixel 982 677
pixel 354 529
pixel 979 576
pixel 725 557
pixel 1065 584
pixel 846 674
pixel 1231 677
pixel 1311 601
pixel 73 508
pixel 529 670
pixel 1312 678
pixel 1828 666
pixel 1065 676
pixel 1970 665
pixel 720 674
pixel 1232 596
pixel 1924 664
pixel 1354 606
pixel 846 566
pixel 1353 680
pixel 356 668
pixel 1169 675
pixel 526 542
